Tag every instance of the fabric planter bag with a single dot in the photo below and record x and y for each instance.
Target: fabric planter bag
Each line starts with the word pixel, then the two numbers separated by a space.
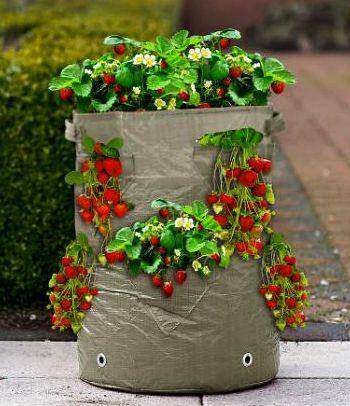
pixel 214 334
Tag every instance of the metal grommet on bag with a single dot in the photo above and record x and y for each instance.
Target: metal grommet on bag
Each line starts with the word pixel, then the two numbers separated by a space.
pixel 101 360
pixel 247 359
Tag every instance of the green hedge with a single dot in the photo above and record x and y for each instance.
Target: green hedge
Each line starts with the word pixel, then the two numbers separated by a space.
pixel 36 212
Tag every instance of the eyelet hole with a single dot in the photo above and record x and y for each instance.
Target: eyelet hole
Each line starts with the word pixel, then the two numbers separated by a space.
pixel 101 360
pixel 247 359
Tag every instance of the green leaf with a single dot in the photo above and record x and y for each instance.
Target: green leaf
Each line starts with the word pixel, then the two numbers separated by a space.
pixel 239 100
pixel 109 151
pixel 230 33
pixel 134 267
pixel 281 324
pixel 167 240
pixel 155 82
pixel 272 65
pixel 270 197
pixel 151 268
pixel 149 46
pixel 76 327
pixel 194 244
pixel 210 224
pixel 285 76
pixel 209 248
pixel 83 104
pixel 125 234
pixel 103 107
pixel 82 89
pixel 118 39
pixel 219 71
pixel 163 45
pixel 179 38
pixel 88 144
pixel 194 99
pixel 83 240
pixel 124 76
pixel 261 82
pixel 72 72
pixel 59 83
pixel 133 251
pixel 116 143
pixel 225 261
pixel 74 178
pixel 161 203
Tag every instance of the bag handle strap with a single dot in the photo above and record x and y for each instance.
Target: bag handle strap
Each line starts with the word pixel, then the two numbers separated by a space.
pixel 275 124
pixel 70 132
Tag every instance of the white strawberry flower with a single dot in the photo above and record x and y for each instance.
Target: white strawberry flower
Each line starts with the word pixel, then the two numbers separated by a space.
pixel 88 71
pixel 256 65
pixel 188 223
pixel 206 270
pixel 246 59
pixel 208 84
pixel 149 60
pixel 193 87
pixel 196 265
pixel 136 90
pixel 177 252
pixel 179 222
pixel 206 53
pixel 172 104
pixel 160 104
pixel 194 54
pixel 138 59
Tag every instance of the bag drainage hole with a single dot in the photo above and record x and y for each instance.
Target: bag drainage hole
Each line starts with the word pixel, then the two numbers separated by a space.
pixel 247 359
pixel 101 360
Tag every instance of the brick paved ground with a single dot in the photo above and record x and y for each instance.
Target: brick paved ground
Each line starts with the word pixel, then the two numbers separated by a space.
pixel 314 201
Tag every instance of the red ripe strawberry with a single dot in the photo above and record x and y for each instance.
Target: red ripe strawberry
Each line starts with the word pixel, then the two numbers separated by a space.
pixel 56 289
pixel 302 317
pixel 120 209
pixel 246 223
pixel 66 261
pixel 259 190
pixel 84 202
pixel 278 87
pixel 241 246
pixel 220 219
pixel 271 304
pixel 204 106
pixel 224 43
pixel 291 302
pixel 112 196
pixel 83 290
pixel 160 91
pixel 273 288
pixel 93 291
pixel 236 72
pixel 157 281
pixel 168 288
pixel 184 96
pixel 65 322
pixel 248 178
pixel 103 211
pixel 290 260
pixel 263 204
pixel 84 306
pixel 263 290
pixel 211 199
pixel 274 269
pixel 295 277
pixel 229 200
pixel 220 92
pixel 61 279
pixel 216 258
pixel 119 49
pixel 113 167
pixel 290 320
pixel 117 88
pixel 66 94
pixel 167 260
pixel 154 240
pixel 108 79
pixel 304 296
pixel 163 64
pixel 232 173
pixel 70 272
pixel 164 213
pixel 98 149
pixel 266 165
pixel 200 227
pixel 256 164
pixel 226 81
pixel 82 270
pixel 180 276
pixel 266 217
pixel 103 178
pixel 66 304
pixel 257 244
pixel 85 166
pixel 286 270
pixel 87 216
pixel 99 165
pixel 123 98
pixel 162 250
pixel 115 256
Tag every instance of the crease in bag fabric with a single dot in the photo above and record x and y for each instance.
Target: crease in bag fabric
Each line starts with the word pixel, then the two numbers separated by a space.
pixel 214 334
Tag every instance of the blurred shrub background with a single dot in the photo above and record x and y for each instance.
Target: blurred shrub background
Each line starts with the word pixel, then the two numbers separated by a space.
pixel 38 38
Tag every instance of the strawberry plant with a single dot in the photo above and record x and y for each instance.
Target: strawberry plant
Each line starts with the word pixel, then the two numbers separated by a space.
pixel 99 174
pixel 181 72
pixel 165 247
pixel 285 286
pixel 72 292
pixel 242 197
